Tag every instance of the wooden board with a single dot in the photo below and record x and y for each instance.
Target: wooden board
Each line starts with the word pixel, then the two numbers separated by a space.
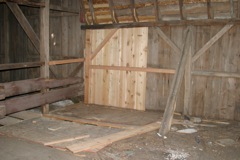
pixel 126 89
pixel 109 139
pixel 9 121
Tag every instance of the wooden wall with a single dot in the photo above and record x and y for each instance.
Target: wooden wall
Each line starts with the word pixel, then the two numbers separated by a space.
pixel 126 89
pixel 66 42
pixel 211 97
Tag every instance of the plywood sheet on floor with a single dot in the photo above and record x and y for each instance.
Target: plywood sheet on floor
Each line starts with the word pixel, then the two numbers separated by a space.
pixel 25 115
pixel 110 114
pixel 44 130
pixel 9 121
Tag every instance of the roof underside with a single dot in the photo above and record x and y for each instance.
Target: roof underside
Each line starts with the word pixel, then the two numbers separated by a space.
pixel 100 12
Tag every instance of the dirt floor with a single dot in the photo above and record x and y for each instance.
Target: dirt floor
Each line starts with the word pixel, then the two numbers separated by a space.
pixel 212 140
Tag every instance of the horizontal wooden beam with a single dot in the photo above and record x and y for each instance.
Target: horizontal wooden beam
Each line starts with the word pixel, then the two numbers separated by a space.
pixel 66 61
pixel 167 71
pixel 32 85
pixel 30 3
pixel 138 69
pixel 10 66
pixel 21 103
pixel 63 9
pixel 216 74
pixel 164 23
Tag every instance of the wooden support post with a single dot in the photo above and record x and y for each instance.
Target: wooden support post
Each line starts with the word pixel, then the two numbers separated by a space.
pixel 6 32
pixel 103 43
pixel 168 41
pixel 64 37
pixel 232 9
pixel 214 39
pixel 44 46
pixel 175 86
pixel 86 66
pixel 25 24
pixel 133 10
pixel 90 4
pixel 188 77
pixel 181 9
pixel 209 10
pixel 156 10
pixel 238 7
pixel 113 15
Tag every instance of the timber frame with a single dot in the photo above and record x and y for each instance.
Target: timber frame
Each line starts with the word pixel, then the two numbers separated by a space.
pixel 43 90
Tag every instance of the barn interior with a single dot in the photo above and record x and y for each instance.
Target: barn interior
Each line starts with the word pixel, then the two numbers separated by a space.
pixel 129 79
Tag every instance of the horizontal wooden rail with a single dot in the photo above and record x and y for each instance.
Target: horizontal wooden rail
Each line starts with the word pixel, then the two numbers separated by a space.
pixel 167 71
pixel 32 85
pixel 20 103
pixel 66 61
pixel 10 66
pixel 216 74
pixel 139 69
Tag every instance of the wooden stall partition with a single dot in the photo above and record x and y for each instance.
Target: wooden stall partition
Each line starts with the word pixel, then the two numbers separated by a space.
pixel 127 48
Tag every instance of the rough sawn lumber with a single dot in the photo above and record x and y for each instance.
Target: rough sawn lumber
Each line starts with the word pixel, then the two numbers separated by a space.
pixel 109 139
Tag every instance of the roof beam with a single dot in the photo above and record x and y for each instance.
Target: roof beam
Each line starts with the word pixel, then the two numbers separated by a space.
pixel 112 10
pixel 133 9
pixel 164 23
pixel 90 3
pixel 209 10
pixel 156 11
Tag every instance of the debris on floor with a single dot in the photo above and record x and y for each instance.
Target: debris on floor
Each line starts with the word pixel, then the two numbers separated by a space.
pixel 188 130
pixel 176 155
pixel 225 142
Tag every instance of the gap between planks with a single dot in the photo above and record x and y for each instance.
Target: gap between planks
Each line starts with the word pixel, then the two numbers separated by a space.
pixel 91 122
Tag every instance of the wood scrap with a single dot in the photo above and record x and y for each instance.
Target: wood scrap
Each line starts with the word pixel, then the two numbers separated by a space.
pixel 215 121
pixel 109 139
pixel 66 140
pixel 92 122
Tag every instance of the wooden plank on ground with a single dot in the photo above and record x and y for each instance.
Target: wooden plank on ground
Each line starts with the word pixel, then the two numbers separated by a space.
pixel 9 121
pixel 65 140
pixel 25 115
pixel 90 121
pixel 109 139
